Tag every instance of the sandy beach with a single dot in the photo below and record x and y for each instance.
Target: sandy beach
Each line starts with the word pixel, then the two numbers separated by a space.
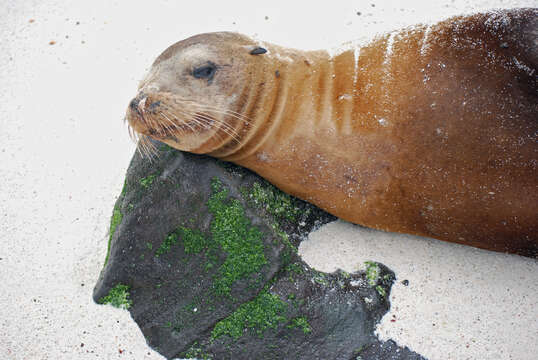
pixel 68 70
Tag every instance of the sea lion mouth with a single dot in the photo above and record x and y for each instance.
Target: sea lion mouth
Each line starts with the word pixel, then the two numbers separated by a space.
pixel 149 115
pixel 168 118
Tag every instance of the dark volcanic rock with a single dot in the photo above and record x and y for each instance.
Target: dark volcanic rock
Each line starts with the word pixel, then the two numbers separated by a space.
pixel 203 255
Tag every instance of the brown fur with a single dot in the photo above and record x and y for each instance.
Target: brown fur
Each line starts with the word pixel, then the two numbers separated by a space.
pixel 429 131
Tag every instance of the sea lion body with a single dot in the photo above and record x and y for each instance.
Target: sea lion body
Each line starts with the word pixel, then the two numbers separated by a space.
pixel 431 130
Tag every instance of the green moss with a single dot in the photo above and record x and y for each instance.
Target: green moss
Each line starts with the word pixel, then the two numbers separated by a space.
pixel 320 278
pixel 115 220
pixel 263 312
pixel 196 352
pixel 372 272
pixel 193 240
pixel 280 206
pixel 381 291
pixel 169 240
pixel 274 201
pixel 148 180
pixel 118 297
pixel 295 267
pixel 302 323
pixel 241 241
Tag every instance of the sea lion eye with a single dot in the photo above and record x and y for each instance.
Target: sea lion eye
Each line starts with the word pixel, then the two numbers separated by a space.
pixel 205 71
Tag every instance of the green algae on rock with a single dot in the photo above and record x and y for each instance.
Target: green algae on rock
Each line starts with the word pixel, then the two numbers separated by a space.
pixel 372 272
pixel 265 311
pixel 118 297
pixel 148 180
pixel 114 221
pixel 241 241
pixel 302 323
pixel 275 202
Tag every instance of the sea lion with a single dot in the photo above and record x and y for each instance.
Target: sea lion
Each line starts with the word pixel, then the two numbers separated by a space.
pixel 430 130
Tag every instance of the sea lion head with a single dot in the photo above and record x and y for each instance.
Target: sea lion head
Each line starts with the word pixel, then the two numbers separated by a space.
pixel 191 97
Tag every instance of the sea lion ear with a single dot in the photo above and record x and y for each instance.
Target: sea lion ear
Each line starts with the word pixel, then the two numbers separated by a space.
pixel 258 51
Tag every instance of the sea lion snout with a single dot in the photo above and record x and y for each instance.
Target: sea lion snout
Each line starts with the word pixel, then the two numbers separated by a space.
pixel 137 104
pixel 135 114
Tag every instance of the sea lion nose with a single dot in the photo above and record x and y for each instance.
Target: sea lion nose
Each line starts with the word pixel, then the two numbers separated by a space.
pixel 134 103
pixel 137 104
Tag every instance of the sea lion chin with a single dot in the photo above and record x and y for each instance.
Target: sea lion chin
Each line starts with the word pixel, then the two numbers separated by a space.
pixel 431 130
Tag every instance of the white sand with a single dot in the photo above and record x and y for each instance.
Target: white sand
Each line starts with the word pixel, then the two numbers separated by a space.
pixel 64 152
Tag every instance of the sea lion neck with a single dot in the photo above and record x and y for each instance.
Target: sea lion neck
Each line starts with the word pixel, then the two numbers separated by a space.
pixel 283 86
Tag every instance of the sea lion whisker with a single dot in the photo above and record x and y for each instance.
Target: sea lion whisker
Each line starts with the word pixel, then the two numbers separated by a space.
pixel 189 116
pixel 174 126
pixel 196 118
pixel 146 148
pixel 152 149
pixel 221 122
pixel 142 144
pixel 208 127
pixel 198 122
pixel 226 110
pixel 177 127
pixel 223 126
pixel 167 114
pixel 230 112
pixel 185 123
pixel 165 125
pixel 233 114
pixel 132 133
